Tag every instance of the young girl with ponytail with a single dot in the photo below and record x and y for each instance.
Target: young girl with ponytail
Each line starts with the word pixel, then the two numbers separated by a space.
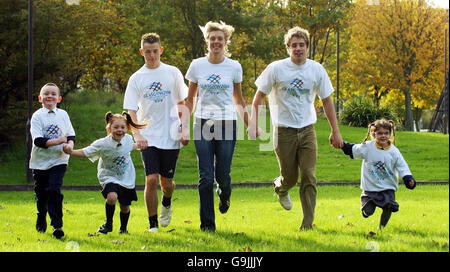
pixel 115 170
pixel 381 165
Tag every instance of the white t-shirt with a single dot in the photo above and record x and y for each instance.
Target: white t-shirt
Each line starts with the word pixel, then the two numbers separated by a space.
pixel 380 168
pixel 49 125
pixel 292 89
pixel 154 93
pixel 215 87
pixel 114 160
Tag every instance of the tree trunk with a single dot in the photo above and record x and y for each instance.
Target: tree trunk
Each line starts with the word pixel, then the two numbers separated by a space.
pixel 409 123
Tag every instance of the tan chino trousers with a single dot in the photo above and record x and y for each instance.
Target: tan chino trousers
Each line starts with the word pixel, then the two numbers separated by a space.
pixel 296 149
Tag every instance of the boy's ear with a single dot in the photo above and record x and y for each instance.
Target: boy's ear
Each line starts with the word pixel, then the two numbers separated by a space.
pixel 59 99
pixel 40 98
pixel 162 49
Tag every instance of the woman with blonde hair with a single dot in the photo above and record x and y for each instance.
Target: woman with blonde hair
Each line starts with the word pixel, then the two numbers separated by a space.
pixel 216 80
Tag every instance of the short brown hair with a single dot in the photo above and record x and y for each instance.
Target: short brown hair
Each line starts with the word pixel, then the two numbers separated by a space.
pixel 296 32
pixel 47 85
pixel 150 38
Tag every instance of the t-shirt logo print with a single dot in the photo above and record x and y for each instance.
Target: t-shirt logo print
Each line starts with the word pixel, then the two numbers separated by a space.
pixel 297 83
pixel 214 79
pixel 380 171
pixel 52 131
pixel 214 86
pixel 120 164
pixel 296 88
pixel 156 93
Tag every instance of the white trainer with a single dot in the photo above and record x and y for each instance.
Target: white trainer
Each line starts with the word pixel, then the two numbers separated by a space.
pixel 165 216
pixel 154 229
pixel 285 201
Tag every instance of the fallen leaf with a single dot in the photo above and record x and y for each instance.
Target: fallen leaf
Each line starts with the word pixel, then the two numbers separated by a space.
pixel 188 221
pixel 143 247
pixel 371 234
pixel 117 242
pixel 247 249
pixel 93 234
pixel 170 230
pixel 1 207
pixel 340 217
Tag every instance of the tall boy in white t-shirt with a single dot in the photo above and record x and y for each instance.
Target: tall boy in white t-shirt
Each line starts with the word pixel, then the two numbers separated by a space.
pixel 292 84
pixel 52 134
pixel 154 95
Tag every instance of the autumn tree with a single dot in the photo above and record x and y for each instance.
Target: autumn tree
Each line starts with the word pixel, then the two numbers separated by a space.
pixel 397 50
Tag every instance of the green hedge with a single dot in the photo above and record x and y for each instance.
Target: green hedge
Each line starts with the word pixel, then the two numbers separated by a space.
pixel 361 112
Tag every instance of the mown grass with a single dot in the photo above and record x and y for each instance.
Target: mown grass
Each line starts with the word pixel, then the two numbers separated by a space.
pixel 426 153
pixel 255 222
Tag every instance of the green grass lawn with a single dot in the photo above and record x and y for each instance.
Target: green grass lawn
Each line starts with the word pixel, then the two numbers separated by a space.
pixel 255 222
pixel 426 153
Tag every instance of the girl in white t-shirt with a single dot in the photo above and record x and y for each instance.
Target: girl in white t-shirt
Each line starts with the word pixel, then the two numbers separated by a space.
pixel 116 172
pixel 217 80
pixel 381 165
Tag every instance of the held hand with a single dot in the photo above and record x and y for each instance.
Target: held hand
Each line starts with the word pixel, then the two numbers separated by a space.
pixel 336 140
pixel 184 135
pixel 68 148
pixel 254 132
pixel 140 141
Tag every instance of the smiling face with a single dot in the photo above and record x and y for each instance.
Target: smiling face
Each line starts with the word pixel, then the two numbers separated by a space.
pixel 49 96
pixel 298 49
pixel 152 54
pixel 382 136
pixel 216 42
pixel 117 128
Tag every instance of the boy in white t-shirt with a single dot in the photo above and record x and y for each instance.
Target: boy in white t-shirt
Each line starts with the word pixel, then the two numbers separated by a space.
pixel 155 94
pixel 292 85
pixel 52 134
pixel 115 170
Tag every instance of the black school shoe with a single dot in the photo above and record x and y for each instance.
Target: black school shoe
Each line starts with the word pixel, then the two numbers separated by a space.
pixel 58 233
pixel 224 205
pixel 41 224
pixel 105 228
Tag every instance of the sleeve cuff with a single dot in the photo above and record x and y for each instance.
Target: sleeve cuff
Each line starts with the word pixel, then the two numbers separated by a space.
pixel 41 142
pixel 347 149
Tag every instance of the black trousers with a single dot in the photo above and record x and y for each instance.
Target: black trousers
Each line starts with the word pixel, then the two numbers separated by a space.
pixel 47 192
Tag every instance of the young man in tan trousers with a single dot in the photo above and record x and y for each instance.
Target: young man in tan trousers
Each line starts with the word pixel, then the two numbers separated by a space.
pixel 292 84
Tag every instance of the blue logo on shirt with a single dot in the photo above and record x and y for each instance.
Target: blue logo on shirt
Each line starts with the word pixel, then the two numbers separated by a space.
pixel 120 164
pixel 156 93
pixel 380 171
pixel 295 88
pixel 214 86
pixel 52 132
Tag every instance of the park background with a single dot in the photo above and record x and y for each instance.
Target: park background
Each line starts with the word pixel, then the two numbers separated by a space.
pixel 391 64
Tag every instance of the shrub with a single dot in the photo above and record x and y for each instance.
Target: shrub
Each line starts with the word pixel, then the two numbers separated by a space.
pixel 361 112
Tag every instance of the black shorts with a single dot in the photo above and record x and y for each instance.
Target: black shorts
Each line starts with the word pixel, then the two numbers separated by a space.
pixel 160 161
pixel 124 195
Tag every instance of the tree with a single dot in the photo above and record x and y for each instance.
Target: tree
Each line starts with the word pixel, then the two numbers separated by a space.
pixel 397 48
